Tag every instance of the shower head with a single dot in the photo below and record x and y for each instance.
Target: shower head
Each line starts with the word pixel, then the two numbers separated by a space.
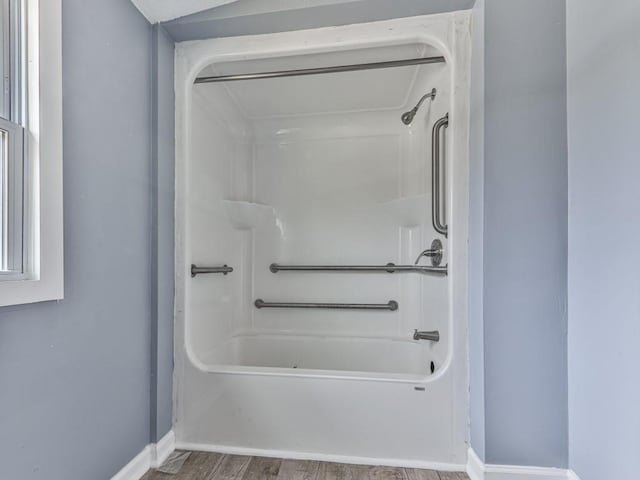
pixel 407 117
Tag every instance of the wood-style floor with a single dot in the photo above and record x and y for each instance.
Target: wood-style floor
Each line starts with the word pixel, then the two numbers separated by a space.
pixel 216 466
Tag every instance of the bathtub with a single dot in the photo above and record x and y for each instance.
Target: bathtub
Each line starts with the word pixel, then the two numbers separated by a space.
pixel 321 170
pixel 310 355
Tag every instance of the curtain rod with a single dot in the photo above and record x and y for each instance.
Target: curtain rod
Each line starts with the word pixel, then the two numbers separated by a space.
pixel 320 70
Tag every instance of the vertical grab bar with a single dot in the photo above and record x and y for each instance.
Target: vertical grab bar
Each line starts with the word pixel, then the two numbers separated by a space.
pixel 436 172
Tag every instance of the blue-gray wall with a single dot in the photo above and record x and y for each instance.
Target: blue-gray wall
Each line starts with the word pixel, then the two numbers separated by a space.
pixel 240 17
pixel 75 375
pixel 518 233
pixel 525 233
pixel 162 247
pixel 604 209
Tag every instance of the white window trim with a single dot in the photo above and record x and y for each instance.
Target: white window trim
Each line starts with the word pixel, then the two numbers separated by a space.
pixel 14 193
pixel 44 279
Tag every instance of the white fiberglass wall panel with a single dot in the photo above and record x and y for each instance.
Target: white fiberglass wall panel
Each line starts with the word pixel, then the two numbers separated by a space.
pixel 328 193
pixel 350 188
pixel 219 170
pixel 317 170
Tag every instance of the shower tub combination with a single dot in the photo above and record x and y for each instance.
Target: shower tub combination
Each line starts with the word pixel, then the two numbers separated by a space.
pixel 321 243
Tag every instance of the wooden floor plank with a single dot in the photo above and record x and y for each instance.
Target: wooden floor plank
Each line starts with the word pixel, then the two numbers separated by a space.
pixel 216 466
pixel 199 466
pixel 336 471
pixel 419 474
pixel 153 475
pixel 453 476
pixel 380 473
pixel 262 468
pixel 232 467
pixel 298 470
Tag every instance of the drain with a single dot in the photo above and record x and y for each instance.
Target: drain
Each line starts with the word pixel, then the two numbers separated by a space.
pixel 433 367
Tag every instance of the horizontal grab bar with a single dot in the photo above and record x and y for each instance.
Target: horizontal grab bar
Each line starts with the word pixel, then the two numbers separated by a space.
pixel 388 268
pixel 391 305
pixel 195 270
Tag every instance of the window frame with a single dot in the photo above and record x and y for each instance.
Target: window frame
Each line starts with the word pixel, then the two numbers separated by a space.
pixel 13 258
pixel 5 65
pixel 13 261
pixel 42 274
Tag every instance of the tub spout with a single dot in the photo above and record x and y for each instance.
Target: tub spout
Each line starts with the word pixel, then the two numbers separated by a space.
pixel 433 336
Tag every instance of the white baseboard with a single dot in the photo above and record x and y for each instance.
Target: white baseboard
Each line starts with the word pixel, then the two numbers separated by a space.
pixel 573 475
pixel 136 468
pixel 161 450
pixel 151 456
pixel 475 466
pixel 322 457
pixel 477 470
pixel 508 472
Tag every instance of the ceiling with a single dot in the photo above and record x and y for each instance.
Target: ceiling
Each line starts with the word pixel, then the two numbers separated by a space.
pixel 164 10
pixel 167 10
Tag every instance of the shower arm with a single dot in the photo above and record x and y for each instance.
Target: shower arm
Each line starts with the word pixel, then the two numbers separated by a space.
pixel 407 117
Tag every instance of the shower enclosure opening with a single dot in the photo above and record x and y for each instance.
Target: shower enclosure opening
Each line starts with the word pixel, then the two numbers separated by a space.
pixel 321 221
pixel 309 181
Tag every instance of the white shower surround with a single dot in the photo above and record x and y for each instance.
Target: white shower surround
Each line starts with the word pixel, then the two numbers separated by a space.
pixel 375 416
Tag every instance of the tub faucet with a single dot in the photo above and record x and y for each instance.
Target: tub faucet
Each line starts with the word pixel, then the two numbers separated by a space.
pixel 435 252
pixel 433 336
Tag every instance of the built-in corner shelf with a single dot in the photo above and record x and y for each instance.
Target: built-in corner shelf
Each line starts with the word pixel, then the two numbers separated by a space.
pixel 247 215
pixel 408 211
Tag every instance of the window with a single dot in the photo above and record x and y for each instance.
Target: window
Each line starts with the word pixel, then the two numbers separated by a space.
pixel 12 131
pixel 31 230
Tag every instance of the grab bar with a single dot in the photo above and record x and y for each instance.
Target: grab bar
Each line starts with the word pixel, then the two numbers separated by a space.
pixel 391 305
pixel 195 270
pixel 436 172
pixel 388 268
